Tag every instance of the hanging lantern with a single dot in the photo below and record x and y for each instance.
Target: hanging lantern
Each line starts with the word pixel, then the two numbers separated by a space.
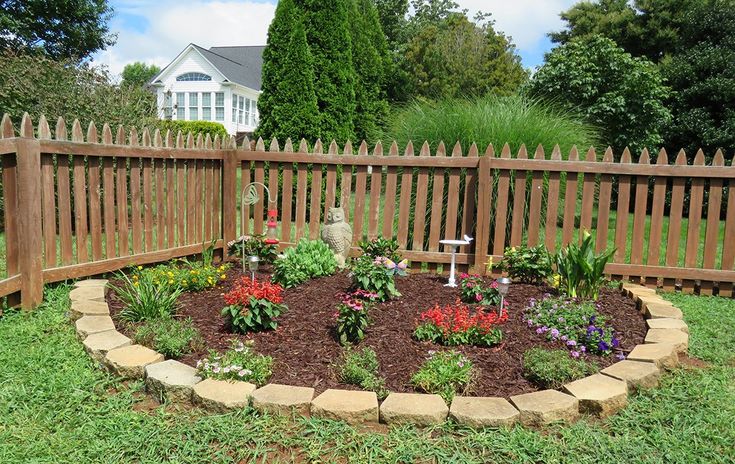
pixel 270 236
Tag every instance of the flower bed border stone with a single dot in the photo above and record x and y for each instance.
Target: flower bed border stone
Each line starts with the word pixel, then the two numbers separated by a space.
pixel 600 394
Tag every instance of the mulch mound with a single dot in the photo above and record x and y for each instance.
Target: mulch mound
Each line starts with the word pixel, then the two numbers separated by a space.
pixel 304 346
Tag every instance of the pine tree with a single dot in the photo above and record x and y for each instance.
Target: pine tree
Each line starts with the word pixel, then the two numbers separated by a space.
pixel 329 39
pixel 296 113
pixel 369 58
pixel 279 36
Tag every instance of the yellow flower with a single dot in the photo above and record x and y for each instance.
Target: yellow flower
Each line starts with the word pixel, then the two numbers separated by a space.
pixel 170 281
pixel 192 271
pixel 140 268
pixel 170 274
pixel 223 277
pixel 183 282
pixel 135 284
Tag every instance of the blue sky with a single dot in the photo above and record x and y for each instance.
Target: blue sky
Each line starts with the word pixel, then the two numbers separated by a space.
pixel 156 31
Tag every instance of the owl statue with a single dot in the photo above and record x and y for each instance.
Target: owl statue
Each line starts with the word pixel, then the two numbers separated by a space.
pixel 337 234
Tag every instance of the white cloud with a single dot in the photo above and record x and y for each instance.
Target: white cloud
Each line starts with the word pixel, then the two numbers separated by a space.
pixel 526 21
pixel 171 25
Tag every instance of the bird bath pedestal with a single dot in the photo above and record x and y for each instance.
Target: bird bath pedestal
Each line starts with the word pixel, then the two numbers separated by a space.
pixel 453 244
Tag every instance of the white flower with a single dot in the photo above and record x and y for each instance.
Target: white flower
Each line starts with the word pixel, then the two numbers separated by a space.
pixel 242 373
pixel 226 370
pixel 216 370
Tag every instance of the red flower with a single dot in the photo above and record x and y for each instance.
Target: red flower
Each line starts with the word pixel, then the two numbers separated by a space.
pixel 261 290
pixel 457 318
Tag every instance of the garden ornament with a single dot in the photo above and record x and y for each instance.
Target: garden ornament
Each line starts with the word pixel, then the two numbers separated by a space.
pixel 250 196
pixel 253 262
pixel 503 287
pixel 337 234
pixel 454 244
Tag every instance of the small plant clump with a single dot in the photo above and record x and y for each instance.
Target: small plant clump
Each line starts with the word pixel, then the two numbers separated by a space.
pixel 531 265
pixel 361 368
pixel 309 259
pixel 377 275
pixel 554 368
pixel 352 315
pixel 474 290
pixel 581 271
pixel 253 245
pixel 171 337
pixel 455 324
pixel 380 246
pixel 445 373
pixel 144 297
pixel 240 362
pixel 576 324
pixel 253 306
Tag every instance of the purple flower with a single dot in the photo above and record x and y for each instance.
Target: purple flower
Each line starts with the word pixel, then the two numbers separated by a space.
pixel 530 323
pixel 620 356
pixel 575 354
pixel 564 338
pixel 571 343
pixel 615 342
pixel 554 333
pixel 603 346
pixel 544 329
pixel 539 331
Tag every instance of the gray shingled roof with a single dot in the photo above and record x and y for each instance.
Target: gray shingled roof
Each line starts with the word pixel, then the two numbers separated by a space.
pixel 242 65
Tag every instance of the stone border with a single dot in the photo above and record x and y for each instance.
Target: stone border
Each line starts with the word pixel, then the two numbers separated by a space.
pixel 600 394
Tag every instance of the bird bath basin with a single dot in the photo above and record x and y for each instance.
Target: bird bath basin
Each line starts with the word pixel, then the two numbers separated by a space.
pixel 454 245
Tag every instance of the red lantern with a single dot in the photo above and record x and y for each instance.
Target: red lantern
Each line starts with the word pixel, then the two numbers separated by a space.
pixel 271 237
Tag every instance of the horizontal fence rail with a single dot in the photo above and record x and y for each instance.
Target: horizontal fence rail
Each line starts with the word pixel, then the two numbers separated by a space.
pixel 78 204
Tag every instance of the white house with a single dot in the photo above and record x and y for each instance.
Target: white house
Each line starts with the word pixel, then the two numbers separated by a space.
pixel 221 84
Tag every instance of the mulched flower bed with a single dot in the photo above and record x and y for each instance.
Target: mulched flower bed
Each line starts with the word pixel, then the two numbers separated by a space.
pixel 304 346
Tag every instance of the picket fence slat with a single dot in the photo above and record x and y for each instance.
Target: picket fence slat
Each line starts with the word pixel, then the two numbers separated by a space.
pixel 518 213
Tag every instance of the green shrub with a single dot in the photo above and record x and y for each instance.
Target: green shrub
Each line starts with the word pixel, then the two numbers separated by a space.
pixel 247 245
pixel 307 260
pixel 498 120
pixel 145 298
pixel 352 316
pixel 377 276
pixel 361 368
pixel 554 368
pixel 240 362
pixel 380 246
pixel 195 127
pixel 531 265
pixel 445 373
pixel 581 271
pixel 171 337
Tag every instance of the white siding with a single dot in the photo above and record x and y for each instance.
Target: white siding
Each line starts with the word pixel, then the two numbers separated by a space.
pixel 192 61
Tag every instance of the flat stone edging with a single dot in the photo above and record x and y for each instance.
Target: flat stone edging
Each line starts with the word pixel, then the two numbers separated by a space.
pixel 600 394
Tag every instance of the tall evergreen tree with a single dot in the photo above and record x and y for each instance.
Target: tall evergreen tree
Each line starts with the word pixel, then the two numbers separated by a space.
pixel 328 36
pixel 296 114
pixel 279 37
pixel 369 57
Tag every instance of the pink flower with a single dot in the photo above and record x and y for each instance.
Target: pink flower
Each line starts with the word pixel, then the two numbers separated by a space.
pixel 478 297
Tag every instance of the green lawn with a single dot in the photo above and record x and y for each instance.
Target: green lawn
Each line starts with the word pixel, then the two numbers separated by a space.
pixel 56 406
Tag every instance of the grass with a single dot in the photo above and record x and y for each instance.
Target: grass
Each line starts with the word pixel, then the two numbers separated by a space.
pixel 492 119
pixel 57 406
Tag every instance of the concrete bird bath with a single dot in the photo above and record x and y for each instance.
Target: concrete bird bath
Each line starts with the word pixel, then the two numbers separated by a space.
pixel 454 245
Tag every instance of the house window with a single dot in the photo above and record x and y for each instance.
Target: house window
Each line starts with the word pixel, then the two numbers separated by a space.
pixel 167 105
pixel 193 106
pixel 247 111
pixel 219 106
pixel 180 106
pixel 193 76
pixel 240 109
pixel 234 108
pixel 207 106
pixel 253 113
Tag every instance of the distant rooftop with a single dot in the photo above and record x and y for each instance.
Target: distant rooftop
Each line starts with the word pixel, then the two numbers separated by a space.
pixel 239 64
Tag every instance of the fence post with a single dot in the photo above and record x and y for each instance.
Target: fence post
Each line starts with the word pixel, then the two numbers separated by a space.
pixel 229 200
pixel 482 230
pixel 28 155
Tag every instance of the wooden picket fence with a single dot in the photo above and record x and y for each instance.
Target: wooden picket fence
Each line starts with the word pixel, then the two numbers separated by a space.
pixel 103 201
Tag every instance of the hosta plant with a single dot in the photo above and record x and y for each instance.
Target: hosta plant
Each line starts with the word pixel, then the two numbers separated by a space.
pixel 253 306
pixel 380 246
pixel 474 290
pixel 530 265
pixel 456 324
pixel 307 260
pixel 581 270
pixel 377 275
pixel 240 362
pixel 352 315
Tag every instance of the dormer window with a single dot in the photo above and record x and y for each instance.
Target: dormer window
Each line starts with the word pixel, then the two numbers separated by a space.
pixel 193 76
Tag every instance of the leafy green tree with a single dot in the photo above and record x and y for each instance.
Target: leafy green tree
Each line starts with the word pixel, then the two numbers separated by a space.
pixel 294 112
pixel 392 15
pixel 650 28
pixel 702 74
pixel 622 95
pixel 328 35
pixel 139 74
pixel 458 57
pixel 69 29
pixel 39 85
pixel 369 58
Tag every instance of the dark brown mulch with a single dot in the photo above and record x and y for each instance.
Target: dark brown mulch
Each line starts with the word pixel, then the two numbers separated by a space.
pixel 304 346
